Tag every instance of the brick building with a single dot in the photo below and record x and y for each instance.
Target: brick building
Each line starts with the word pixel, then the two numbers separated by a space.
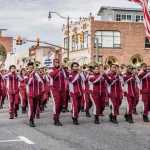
pixel 44 53
pixel 118 36
pixel 6 46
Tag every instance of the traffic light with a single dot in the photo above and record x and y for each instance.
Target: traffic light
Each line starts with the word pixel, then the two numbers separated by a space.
pixel 81 37
pixel 38 42
pixel 18 40
pixel 73 38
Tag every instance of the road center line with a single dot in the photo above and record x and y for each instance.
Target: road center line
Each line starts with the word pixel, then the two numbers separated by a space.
pixel 20 139
pixel 7 141
pixel 26 140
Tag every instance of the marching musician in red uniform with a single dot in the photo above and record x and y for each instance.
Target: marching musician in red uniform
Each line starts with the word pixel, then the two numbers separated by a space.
pixel 144 76
pixel 22 90
pixel 34 85
pixel 86 104
pixel 130 85
pixel 1 90
pixel 75 91
pixel 56 90
pixel 65 90
pixel 115 92
pixel 12 88
pixel 97 86
pixel 3 86
pixel 46 81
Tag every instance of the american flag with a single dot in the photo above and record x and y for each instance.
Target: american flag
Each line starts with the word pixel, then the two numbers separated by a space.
pixel 144 5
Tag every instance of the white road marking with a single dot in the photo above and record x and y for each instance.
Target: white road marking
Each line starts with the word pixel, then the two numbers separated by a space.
pixel 20 139
pixel 24 139
pixel 7 141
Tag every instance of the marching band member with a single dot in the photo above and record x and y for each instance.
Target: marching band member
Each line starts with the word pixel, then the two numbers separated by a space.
pixel 1 90
pixel 75 90
pixel 97 86
pixel 144 76
pixel 85 89
pixel 12 88
pixel 115 92
pixel 22 90
pixel 65 90
pixel 33 91
pixel 137 91
pixel 3 84
pixel 46 81
pixel 56 90
pixel 130 85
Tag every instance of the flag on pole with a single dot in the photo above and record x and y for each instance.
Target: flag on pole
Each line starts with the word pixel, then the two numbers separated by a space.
pixel 144 5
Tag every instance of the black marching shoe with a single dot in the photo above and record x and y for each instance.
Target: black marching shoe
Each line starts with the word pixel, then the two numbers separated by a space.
pixel 11 116
pixel 115 121
pixel 145 118
pixel 111 118
pixel 96 121
pixel 135 111
pixel 23 110
pixel 31 123
pixel 63 110
pixel 16 114
pixel 126 117
pixel 82 109
pixel 130 119
pixel 88 114
pixel 75 121
pixel 57 123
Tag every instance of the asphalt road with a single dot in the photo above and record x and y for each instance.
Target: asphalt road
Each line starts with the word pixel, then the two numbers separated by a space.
pixel 17 135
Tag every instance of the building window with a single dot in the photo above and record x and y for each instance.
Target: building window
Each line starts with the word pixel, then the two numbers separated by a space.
pixel 73 43
pixel 147 43
pixel 123 17
pixel 107 39
pixel 66 43
pixel 129 17
pixel 142 18
pixel 139 18
pixel 126 17
pixel 78 41
pixel 118 17
pixel 85 38
pixel 84 43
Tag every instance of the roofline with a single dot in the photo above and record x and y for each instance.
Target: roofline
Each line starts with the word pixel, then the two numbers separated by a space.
pixel 3 29
pixel 48 47
pixel 120 8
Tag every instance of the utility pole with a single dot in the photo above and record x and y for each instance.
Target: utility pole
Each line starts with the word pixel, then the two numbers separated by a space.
pixel 68 32
pixel 68 28
pixel 97 50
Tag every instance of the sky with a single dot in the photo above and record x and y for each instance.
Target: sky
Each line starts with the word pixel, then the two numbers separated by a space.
pixel 29 18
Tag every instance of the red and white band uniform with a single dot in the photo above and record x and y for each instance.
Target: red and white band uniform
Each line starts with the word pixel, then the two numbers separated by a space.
pixel 4 92
pixel 23 93
pixel 56 91
pixel 130 90
pixel 75 91
pixel 86 103
pixel 64 83
pixel 12 88
pixel 34 89
pixel 1 90
pixel 144 77
pixel 97 87
pixel 115 92
pixel 45 95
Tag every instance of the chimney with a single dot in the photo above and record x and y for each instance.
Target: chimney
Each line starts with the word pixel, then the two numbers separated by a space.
pixel 1 30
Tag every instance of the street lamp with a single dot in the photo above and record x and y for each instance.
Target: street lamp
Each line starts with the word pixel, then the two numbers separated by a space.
pixel 68 28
